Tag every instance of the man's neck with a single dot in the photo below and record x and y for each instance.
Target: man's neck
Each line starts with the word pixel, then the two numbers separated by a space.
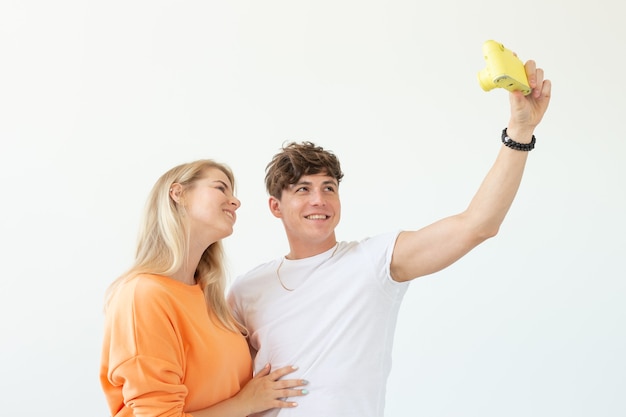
pixel 306 249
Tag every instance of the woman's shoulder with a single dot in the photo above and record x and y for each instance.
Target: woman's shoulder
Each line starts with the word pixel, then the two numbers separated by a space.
pixel 143 288
pixel 154 293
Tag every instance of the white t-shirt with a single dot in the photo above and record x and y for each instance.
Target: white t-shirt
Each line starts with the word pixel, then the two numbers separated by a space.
pixel 337 325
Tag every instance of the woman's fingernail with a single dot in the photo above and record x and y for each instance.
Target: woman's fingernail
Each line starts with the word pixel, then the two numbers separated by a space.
pixel 304 391
pixel 304 382
pixel 294 367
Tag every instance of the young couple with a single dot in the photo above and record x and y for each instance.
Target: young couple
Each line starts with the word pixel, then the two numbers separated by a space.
pixel 307 334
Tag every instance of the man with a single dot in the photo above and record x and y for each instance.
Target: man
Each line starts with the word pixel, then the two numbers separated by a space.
pixel 331 307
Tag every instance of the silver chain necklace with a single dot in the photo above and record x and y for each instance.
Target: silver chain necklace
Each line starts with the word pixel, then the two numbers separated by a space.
pixel 283 260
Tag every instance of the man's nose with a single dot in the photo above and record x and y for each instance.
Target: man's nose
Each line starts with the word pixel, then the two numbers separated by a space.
pixel 317 198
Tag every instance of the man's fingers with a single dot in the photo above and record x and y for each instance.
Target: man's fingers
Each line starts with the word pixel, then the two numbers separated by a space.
pixel 531 70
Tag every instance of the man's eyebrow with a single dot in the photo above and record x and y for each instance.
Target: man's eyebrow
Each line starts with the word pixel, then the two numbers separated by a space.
pixel 331 182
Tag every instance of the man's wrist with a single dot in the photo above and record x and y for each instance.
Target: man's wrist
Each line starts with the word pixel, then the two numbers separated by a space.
pixel 520 134
pixel 509 142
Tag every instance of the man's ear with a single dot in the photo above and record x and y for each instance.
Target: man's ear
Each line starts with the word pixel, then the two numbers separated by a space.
pixel 274 205
pixel 175 191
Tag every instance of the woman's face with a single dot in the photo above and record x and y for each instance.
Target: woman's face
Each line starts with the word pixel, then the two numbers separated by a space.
pixel 211 205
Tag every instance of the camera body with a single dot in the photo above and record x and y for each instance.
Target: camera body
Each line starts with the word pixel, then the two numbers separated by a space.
pixel 504 69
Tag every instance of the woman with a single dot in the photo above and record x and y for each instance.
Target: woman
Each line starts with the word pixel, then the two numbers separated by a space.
pixel 171 346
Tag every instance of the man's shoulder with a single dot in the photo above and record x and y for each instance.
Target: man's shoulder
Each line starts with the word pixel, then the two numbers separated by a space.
pixel 257 274
pixel 378 240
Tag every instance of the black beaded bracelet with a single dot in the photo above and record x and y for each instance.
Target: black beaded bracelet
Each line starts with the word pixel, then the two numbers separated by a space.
pixel 516 145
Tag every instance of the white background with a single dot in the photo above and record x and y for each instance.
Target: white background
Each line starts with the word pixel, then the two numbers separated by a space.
pixel 97 99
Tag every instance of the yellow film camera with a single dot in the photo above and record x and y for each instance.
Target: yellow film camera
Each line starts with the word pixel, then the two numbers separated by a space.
pixel 504 69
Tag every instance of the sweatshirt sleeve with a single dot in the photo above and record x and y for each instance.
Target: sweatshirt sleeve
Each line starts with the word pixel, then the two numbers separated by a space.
pixel 146 358
pixel 151 387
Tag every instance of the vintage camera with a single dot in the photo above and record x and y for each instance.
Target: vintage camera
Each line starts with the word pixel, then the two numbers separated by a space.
pixel 503 70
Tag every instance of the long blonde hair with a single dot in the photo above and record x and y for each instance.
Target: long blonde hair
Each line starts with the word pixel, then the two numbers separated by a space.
pixel 163 241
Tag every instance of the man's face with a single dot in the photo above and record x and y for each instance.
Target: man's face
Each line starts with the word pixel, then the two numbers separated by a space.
pixel 310 209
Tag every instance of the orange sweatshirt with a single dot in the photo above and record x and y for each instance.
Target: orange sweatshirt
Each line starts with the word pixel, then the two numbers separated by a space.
pixel 164 354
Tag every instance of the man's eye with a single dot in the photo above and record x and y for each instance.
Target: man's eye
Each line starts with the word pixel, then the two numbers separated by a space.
pixel 302 189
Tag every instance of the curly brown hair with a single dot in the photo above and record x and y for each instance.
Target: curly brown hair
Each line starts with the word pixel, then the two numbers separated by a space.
pixel 296 160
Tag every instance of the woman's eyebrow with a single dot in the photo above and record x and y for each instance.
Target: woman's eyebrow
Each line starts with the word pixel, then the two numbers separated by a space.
pixel 222 182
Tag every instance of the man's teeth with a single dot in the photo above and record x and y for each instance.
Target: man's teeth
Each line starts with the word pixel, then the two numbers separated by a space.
pixel 317 217
pixel 229 214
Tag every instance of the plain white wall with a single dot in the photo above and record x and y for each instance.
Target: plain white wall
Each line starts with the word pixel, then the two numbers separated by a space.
pixel 97 99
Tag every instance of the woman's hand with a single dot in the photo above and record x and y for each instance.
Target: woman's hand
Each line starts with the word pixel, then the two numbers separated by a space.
pixel 267 390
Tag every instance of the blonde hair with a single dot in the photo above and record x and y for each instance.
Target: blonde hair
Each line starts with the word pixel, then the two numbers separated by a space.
pixel 163 241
